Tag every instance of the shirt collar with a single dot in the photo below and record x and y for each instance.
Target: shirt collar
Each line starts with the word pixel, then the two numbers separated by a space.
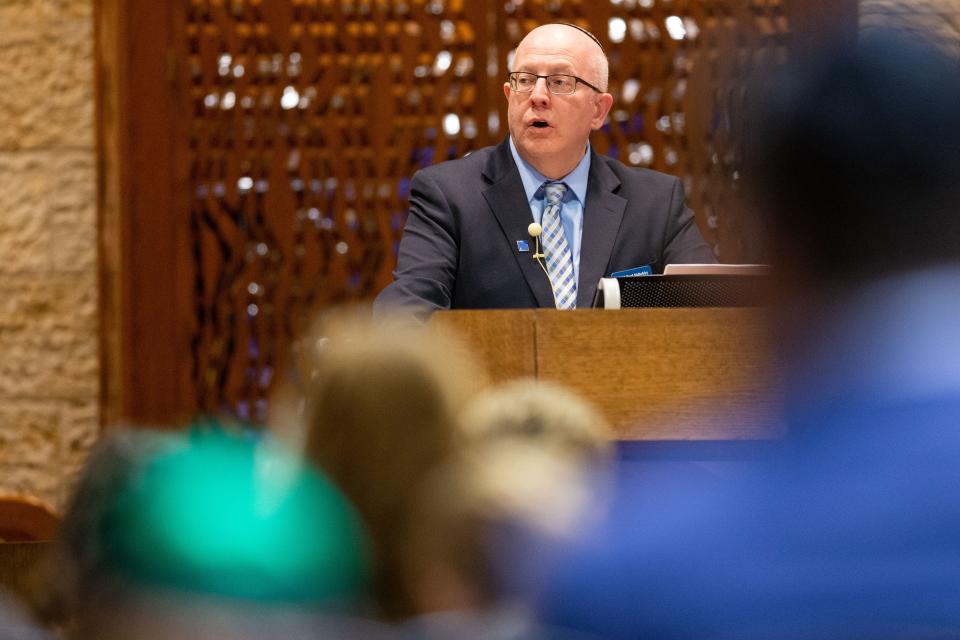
pixel 576 180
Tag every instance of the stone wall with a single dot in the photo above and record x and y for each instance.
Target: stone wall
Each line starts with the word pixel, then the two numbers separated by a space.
pixel 49 365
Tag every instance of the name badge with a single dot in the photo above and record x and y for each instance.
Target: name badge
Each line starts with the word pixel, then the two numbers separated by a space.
pixel 645 270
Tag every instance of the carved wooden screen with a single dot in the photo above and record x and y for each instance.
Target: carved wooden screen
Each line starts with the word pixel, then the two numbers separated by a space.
pixel 304 120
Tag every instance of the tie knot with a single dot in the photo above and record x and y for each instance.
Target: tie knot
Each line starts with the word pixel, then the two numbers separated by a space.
pixel 555 191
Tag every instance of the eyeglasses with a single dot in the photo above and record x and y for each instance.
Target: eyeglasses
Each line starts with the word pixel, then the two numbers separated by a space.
pixel 558 84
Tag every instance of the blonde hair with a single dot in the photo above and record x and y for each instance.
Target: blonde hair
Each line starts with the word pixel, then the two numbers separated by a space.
pixel 535 458
pixel 381 405
pixel 543 413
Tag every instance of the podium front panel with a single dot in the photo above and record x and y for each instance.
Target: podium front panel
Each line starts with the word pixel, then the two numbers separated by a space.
pixel 667 374
pixel 503 340
pixel 698 374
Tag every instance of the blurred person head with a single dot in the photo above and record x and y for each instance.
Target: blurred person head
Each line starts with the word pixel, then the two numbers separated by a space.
pixel 533 458
pixel 855 161
pixel 543 414
pixel 551 121
pixel 482 531
pixel 207 535
pixel 79 557
pixel 381 406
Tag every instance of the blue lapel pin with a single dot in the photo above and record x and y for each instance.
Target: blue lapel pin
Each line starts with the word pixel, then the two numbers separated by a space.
pixel 522 246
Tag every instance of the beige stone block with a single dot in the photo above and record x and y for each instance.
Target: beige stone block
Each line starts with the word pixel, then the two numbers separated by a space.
pixel 48 212
pixel 44 444
pixel 45 304
pixel 25 233
pixel 79 429
pixel 36 11
pixel 34 371
pixel 72 213
pixel 48 335
pixel 26 481
pixel 46 90
pixel 28 434
pixel 29 451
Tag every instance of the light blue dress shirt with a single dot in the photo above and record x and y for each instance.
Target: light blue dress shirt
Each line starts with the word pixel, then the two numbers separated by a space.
pixel 574 200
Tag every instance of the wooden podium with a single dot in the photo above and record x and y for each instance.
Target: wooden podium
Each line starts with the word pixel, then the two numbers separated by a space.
pixel 687 374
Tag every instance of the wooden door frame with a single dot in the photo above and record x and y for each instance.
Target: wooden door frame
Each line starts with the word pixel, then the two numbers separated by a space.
pixel 144 351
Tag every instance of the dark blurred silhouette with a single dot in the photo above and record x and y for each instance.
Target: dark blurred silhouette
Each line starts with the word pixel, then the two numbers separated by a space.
pixel 79 560
pixel 852 528
pixel 852 158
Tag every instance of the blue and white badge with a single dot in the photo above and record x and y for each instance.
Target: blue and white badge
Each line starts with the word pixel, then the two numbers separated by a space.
pixel 645 270
pixel 523 246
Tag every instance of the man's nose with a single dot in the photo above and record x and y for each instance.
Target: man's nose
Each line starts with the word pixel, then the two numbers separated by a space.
pixel 540 93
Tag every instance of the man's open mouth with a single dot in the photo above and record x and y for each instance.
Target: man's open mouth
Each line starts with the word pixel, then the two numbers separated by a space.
pixel 540 124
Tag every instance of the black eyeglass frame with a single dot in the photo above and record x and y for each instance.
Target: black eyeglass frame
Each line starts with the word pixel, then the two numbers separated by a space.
pixel 511 79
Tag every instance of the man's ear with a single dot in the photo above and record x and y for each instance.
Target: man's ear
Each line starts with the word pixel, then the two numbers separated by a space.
pixel 506 90
pixel 601 109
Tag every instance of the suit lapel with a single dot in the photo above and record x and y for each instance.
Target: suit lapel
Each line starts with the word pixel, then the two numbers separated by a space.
pixel 508 201
pixel 601 222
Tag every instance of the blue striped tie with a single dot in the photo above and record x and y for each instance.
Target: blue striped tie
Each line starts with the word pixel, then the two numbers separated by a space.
pixel 559 259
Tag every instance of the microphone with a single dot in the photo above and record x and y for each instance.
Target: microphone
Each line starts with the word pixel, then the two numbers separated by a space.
pixel 535 230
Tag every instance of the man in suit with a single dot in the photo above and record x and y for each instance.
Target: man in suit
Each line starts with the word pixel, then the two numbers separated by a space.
pixel 467 242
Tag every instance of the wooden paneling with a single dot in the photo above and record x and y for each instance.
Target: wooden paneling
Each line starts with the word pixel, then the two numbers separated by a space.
pixel 503 341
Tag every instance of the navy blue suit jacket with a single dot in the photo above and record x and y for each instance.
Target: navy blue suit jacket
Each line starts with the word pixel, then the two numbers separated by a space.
pixel 459 247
